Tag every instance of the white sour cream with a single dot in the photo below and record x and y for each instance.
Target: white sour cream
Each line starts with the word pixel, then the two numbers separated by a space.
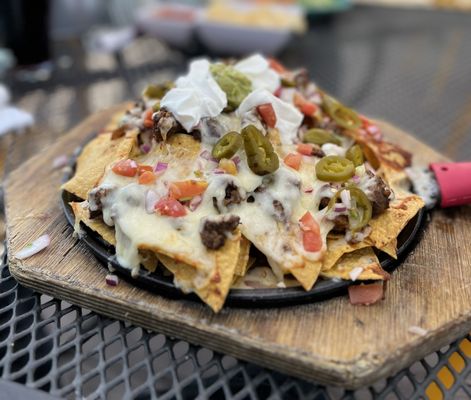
pixel 258 70
pixel 288 118
pixel 196 95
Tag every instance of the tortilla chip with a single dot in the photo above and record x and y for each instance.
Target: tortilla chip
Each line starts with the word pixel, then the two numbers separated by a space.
pixel 337 246
pixel 243 261
pixel 307 275
pixel 148 260
pixel 387 226
pixel 114 121
pixel 94 159
pixel 216 286
pixel 364 258
pixel 97 225
pixel 391 248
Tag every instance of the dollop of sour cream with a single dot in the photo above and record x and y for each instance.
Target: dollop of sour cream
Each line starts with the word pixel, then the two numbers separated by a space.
pixel 288 118
pixel 196 95
pixel 257 69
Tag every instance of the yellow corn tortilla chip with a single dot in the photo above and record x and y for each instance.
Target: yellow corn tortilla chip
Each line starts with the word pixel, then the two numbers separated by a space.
pixel 337 246
pixel 387 226
pixel 97 225
pixel 216 286
pixel 243 261
pixel 391 248
pixel 114 121
pixel 364 258
pixel 95 157
pixel 307 274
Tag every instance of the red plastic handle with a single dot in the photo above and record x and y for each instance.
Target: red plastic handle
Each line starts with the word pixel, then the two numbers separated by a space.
pixel 454 180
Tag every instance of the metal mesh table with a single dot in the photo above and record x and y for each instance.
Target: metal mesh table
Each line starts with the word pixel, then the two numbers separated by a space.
pixel 411 71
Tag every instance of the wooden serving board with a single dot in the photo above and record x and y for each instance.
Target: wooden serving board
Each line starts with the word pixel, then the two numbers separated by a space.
pixel 331 342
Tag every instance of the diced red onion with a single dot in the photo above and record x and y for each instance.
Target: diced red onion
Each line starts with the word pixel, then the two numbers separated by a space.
pixel 236 160
pixel 308 190
pixel 160 167
pixel 112 280
pixel 133 164
pixel 145 148
pixel 207 156
pixel 195 202
pixel 35 247
pixel 356 179
pixel 60 161
pixel 151 198
pixel 355 273
pixel 340 207
pixel 346 198
pixel 218 171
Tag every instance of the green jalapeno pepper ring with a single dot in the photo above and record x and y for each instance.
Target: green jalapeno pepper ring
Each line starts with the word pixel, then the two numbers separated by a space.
pixel 355 155
pixel 227 146
pixel 359 216
pixel 334 169
pixel 261 157
pixel 342 115
pixel 320 137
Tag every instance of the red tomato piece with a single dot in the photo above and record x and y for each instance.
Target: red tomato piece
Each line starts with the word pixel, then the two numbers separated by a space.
pixel 298 100
pixel 170 207
pixel 143 168
pixel 305 149
pixel 293 160
pixel 146 178
pixel 187 189
pixel 277 66
pixel 308 108
pixel 312 241
pixel 308 223
pixel 267 113
pixel 366 294
pixel 125 168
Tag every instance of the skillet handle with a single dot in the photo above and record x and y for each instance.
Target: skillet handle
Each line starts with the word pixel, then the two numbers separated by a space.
pixel 454 180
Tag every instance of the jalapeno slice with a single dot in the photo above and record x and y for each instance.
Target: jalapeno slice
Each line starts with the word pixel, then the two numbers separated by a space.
pixel 227 146
pixel 157 91
pixel 320 137
pixel 355 155
pixel 261 156
pixel 334 169
pixel 361 209
pixel 342 115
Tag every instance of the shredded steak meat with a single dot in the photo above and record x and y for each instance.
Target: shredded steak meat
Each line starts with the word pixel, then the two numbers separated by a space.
pixel 165 124
pixel 232 195
pixel 378 193
pixel 214 231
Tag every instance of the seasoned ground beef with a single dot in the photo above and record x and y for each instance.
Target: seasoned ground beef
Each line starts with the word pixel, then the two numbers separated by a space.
pixel 215 229
pixel 378 193
pixel 165 124
pixel 232 195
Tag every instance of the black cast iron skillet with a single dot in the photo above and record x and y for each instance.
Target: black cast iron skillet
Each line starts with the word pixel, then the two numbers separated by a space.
pixel 162 284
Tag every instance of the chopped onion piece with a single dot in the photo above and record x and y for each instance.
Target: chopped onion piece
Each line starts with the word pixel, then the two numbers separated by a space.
pixel 160 167
pixel 218 171
pixel 195 202
pixel 356 179
pixel 207 156
pixel 151 198
pixel 35 247
pixel 236 160
pixel 346 198
pixel 355 273
pixel 145 148
pixel 308 190
pixel 340 207
pixel 112 280
pixel 60 161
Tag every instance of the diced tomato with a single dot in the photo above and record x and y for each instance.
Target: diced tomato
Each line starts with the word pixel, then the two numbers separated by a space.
pixel 305 149
pixel 187 189
pixel 143 168
pixel 278 92
pixel 293 160
pixel 228 166
pixel 366 294
pixel 170 207
pixel 146 178
pixel 298 99
pixel 312 240
pixel 365 121
pixel 125 168
pixel 277 66
pixel 308 108
pixel 148 113
pixel 148 123
pixel 267 113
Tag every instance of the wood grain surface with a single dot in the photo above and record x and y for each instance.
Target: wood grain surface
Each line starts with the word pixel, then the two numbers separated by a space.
pixel 330 342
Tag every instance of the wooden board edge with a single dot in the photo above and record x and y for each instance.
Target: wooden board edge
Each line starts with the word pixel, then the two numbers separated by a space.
pixel 349 375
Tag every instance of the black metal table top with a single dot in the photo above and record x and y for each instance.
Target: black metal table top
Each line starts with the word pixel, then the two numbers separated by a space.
pixel 411 68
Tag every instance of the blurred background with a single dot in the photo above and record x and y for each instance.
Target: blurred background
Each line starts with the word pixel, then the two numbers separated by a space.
pixel 406 61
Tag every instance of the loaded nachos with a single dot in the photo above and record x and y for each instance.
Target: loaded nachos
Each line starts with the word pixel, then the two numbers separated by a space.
pixel 244 174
